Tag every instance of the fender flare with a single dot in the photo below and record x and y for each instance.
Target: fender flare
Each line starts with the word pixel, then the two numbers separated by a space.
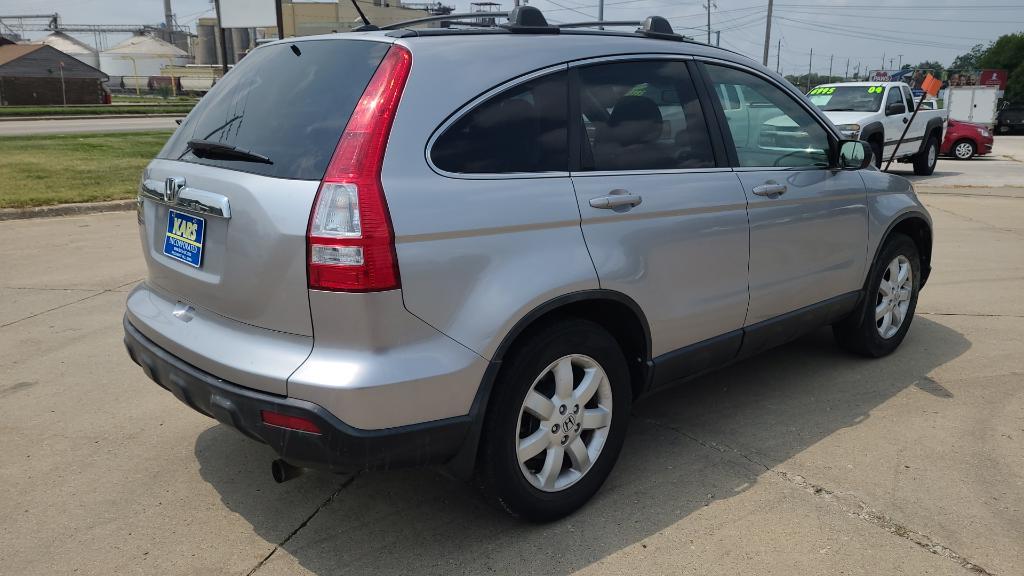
pixel 935 124
pixel 871 129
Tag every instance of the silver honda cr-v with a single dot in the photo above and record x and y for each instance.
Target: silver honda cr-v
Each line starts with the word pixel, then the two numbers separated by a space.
pixel 476 246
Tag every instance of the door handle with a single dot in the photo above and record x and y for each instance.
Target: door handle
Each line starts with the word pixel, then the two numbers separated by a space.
pixel 616 199
pixel 905 120
pixel 770 189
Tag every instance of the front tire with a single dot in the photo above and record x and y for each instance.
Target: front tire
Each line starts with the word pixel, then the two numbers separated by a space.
pixel 878 327
pixel 556 421
pixel 964 150
pixel 926 159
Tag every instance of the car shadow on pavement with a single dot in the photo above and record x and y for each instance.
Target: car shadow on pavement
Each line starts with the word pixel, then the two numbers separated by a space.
pixel 689 446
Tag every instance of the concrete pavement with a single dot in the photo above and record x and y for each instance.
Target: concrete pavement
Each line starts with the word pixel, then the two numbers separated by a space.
pixel 76 125
pixel 804 460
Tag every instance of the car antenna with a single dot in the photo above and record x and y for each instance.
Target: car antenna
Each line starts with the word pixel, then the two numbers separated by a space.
pixel 366 27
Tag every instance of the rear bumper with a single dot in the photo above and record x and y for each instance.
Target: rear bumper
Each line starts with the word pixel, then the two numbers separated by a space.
pixel 338 448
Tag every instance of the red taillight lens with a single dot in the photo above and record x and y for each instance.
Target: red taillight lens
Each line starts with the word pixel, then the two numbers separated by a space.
pixel 350 243
pixel 289 422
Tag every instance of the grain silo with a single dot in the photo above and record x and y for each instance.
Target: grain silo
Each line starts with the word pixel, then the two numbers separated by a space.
pixel 142 56
pixel 73 47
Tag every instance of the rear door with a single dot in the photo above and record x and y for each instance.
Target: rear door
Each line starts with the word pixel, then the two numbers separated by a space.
pixel 665 221
pixel 808 223
pixel 224 229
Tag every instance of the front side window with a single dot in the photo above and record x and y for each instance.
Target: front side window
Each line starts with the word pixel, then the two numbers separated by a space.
pixel 895 97
pixel 770 129
pixel 520 130
pixel 642 115
pixel 909 97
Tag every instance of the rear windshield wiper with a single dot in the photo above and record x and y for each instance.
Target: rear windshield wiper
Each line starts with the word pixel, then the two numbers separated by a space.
pixel 213 149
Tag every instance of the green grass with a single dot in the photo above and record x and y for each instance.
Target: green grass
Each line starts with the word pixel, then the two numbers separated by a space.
pixel 60 169
pixel 97 110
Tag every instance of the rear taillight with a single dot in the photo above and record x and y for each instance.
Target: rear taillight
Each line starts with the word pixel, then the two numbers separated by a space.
pixel 289 422
pixel 350 243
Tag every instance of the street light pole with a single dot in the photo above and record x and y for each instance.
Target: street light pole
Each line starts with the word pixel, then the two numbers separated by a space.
pixel 810 61
pixel 768 34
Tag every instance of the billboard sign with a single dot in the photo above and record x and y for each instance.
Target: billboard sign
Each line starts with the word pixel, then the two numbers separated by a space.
pixel 986 77
pixel 912 76
pixel 248 13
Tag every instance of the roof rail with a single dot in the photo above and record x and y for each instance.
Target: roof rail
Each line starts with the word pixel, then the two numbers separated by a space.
pixel 460 16
pixel 598 23
pixel 528 20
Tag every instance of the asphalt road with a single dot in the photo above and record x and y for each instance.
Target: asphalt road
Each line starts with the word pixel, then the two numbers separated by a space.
pixel 804 460
pixel 74 125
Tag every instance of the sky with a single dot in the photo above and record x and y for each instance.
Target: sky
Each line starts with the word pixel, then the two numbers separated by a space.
pixel 842 31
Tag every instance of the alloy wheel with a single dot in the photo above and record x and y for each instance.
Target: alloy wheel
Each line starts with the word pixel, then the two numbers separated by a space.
pixel 964 150
pixel 893 298
pixel 564 422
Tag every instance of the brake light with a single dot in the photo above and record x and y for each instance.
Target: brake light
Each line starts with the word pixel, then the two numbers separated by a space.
pixel 350 243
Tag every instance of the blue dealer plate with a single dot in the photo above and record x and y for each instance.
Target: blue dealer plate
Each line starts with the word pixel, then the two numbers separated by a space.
pixel 184 238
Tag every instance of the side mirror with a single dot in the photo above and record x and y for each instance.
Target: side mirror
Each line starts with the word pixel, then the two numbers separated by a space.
pixel 894 109
pixel 854 155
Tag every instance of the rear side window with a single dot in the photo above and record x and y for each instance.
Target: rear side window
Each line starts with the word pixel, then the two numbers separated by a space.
pixel 520 130
pixel 288 102
pixel 642 115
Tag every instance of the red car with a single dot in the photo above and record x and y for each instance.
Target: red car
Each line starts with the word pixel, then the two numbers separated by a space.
pixel 964 140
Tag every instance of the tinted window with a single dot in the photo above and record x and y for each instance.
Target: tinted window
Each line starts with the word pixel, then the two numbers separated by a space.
pixel 770 129
pixel 521 130
pixel 289 102
pixel 894 97
pixel 642 116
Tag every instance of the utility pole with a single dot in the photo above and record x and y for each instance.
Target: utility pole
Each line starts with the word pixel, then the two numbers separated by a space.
pixel 900 66
pixel 280 18
pixel 830 67
pixel 718 37
pixel 890 63
pixel 223 40
pixel 809 62
pixel 767 33
pixel 600 10
pixel 847 74
pixel 709 5
pixel 778 54
pixel 883 60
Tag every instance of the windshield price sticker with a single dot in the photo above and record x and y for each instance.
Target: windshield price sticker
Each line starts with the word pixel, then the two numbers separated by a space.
pixel 822 90
pixel 875 90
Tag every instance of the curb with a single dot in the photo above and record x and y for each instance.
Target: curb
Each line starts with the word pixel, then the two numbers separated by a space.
pixel 90 116
pixel 66 210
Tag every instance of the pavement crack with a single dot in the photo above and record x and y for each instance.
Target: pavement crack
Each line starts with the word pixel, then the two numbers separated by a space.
pixel 302 525
pixel 72 303
pixel 976 221
pixel 845 501
pixel 971 315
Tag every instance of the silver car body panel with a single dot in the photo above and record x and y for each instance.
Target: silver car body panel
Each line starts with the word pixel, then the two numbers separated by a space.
pixel 254 269
pixel 806 245
pixel 375 365
pixel 246 355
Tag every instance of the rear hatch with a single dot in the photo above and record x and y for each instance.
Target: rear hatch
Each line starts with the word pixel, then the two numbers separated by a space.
pixel 227 201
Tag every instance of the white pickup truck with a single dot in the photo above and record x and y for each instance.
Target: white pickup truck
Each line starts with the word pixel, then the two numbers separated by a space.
pixel 877 113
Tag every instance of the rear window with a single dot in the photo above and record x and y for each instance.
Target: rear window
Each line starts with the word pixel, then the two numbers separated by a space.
pixel 288 102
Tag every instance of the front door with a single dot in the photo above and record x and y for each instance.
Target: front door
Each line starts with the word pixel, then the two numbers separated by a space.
pixel 808 223
pixel 664 218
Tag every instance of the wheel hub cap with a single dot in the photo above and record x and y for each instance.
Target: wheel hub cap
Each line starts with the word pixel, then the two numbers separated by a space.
pixel 564 422
pixel 893 298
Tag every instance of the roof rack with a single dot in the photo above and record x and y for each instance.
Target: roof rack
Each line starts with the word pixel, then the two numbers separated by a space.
pixel 530 20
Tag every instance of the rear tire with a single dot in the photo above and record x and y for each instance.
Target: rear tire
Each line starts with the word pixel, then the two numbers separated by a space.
pixel 879 325
pixel 927 158
pixel 551 436
pixel 964 149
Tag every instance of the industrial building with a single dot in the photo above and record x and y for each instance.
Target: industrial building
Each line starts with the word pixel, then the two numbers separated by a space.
pixel 305 19
pixel 37 74
pixel 141 55
pixel 73 47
